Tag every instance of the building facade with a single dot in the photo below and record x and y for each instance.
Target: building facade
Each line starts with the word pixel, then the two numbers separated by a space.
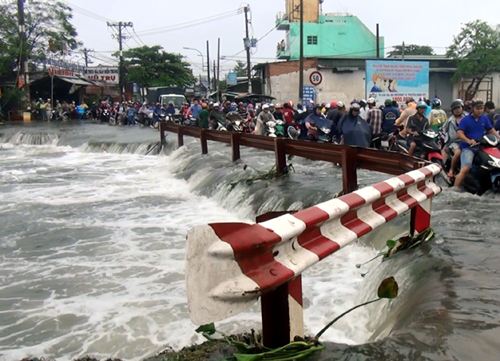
pixel 325 35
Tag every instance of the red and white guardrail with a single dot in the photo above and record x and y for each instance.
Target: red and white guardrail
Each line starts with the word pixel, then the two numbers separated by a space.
pixel 230 265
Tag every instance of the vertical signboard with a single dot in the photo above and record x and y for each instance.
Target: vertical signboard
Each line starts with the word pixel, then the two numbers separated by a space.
pixel 396 80
pixel 309 93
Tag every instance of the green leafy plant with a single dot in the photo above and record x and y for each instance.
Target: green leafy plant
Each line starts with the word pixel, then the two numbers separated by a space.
pixel 263 176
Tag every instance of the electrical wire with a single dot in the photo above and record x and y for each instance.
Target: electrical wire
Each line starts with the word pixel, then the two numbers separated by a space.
pixel 190 24
pixel 88 13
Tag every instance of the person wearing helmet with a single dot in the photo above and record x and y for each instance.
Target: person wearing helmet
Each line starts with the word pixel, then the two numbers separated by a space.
pixel 472 127
pixel 353 129
pixel 375 118
pixel 390 113
pixel 363 111
pixel 217 117
pixel 204 117
pixel 416 125
pixel 450 137
pixel 278 114
pixel 242 109
pixel 437 116
pixel 288 114
pixel 410 111
pixel 262 119
pixel 300 120
pixel 314 122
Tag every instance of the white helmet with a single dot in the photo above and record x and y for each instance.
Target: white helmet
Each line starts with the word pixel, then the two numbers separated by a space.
pixel 371 101
pixel 265 106
pixel 328 105
pixel 340 105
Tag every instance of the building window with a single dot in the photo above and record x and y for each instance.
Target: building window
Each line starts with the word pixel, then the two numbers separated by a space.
pixel 312 40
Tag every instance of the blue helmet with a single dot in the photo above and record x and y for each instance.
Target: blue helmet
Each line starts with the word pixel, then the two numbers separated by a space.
pixel 421 104
pixel 436 103
pixel 232 108
pixel 309 106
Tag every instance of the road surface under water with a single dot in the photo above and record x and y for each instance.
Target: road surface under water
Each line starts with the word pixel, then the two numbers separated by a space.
pixel 92 242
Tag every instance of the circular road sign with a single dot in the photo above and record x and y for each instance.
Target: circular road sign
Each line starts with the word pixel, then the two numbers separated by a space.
pixel 316 78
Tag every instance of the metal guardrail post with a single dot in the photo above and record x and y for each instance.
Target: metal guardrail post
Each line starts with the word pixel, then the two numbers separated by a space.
pixel 235 146
pixel 349 166
pixel 280 153
pixel 180 137
pixel 420 216
pixel 203 141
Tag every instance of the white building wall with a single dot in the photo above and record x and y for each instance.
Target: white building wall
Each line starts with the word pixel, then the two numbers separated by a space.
pixel 334 87
pixel 482 94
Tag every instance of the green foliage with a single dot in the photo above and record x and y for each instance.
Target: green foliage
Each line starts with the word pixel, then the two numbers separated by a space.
pixel 152 66
pixel 240 68
pixel 263 176
pixel 47 22
pixel 408 242
pixel 412 49
pixel 476 51
pixel 388 288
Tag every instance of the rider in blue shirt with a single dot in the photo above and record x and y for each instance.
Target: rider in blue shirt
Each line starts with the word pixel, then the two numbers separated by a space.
pixel 195 109
pixel 471 128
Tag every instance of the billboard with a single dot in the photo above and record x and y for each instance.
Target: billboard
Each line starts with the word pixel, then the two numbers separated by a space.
pixel 103 73
pixel 396 80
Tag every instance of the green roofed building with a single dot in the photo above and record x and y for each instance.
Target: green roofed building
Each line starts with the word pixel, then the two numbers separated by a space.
pixel 325 35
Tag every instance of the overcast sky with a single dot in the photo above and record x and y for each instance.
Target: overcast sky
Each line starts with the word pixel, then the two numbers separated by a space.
pixel 427 22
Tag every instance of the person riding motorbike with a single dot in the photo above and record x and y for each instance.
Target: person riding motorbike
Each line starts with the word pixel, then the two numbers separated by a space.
pixel 437 116
pixel 300 120
pixel 264 117
pixel 390 114
pixel 406 114
pixel 471 128
pixel 314 122
pixel 492 114
pixel 232 117
pixel 450 137
pixel 416 125
pixel 353 129
pixel 217 117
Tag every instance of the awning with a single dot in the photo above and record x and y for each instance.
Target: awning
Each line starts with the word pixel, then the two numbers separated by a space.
pixel 74 80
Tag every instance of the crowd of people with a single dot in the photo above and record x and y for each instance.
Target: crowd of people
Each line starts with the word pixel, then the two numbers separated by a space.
pixel 358 125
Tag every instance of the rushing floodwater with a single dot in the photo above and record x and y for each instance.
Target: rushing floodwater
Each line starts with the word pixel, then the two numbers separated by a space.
pixel 92 236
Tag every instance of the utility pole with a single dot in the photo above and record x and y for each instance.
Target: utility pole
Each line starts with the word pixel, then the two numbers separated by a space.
pixel 86 52
pixel 301 60
pixel 403 52
pixel 23 66
pixel 214 78
pixel 208 69
pixel 121 73
pixel 247 47
pixel 218 70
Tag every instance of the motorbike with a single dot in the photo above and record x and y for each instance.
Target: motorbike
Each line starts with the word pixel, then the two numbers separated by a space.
pixel 324 135
pixel 191 122
pixel 280 128
pixel 238 126
pixel 430 149
pixel 271 129
pixel 485 171
pixel 293 132
pixel 105 115
pixel 383 141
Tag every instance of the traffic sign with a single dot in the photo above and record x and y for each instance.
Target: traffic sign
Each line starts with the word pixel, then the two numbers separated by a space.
pixel 316 78
pixel 309 93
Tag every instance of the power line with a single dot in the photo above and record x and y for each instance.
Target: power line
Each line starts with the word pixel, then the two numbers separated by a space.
pixel 88 13
pixel 191 23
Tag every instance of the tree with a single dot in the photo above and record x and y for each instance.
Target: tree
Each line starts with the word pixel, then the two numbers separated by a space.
pixel 240 68
pixel 152 66
pixel 48 28
pixel 412 49
pixel 476 51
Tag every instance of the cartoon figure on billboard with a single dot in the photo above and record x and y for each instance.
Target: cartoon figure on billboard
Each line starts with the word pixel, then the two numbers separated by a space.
pixel 393 83
pixel 378 82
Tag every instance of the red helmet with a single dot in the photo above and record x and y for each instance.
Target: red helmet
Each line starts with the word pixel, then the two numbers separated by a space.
pixel 333 104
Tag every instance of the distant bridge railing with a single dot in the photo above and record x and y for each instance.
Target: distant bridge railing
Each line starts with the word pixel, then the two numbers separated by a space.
pixel 350 158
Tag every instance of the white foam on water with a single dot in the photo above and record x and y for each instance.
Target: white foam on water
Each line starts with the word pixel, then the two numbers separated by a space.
pixel 93 261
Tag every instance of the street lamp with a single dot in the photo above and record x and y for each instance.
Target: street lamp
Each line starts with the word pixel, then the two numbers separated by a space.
pixel 202 58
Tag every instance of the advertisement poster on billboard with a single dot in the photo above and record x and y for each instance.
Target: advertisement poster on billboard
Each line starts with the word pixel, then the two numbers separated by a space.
pixel 104 74
pixel 396 80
